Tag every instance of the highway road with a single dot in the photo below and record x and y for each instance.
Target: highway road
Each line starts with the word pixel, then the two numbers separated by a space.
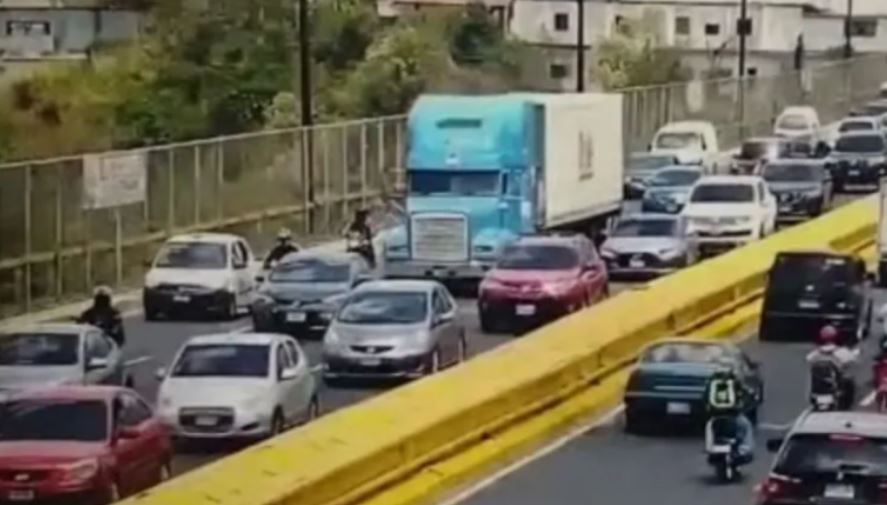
pixel 606 465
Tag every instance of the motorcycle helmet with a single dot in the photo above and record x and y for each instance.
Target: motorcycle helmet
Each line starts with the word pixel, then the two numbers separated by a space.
pixel 828 335
pixel 284 235
pixel 101 296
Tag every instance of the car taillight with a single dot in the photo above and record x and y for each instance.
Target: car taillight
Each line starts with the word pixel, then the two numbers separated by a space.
pixel 776 486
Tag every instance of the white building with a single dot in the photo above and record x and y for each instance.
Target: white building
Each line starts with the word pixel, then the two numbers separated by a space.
pixel 704 31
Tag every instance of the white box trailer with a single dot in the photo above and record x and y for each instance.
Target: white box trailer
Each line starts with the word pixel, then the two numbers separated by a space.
pixel 582 176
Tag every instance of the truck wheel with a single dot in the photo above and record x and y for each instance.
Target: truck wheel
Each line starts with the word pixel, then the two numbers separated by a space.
pixel 486 322
pixel 151 314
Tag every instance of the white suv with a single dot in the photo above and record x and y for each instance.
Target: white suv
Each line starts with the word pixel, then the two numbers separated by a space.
pixel 202 272
pixel 726 211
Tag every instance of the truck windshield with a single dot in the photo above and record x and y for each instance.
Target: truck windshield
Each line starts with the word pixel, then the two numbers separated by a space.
pixel 860 144
pixel 679 140
pixel 427 182
pixel 723 193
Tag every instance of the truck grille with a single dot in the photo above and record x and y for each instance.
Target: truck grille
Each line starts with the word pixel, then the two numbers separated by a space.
pixel 440 238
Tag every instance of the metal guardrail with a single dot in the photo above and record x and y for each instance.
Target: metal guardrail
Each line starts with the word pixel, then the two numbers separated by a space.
pixel 52 248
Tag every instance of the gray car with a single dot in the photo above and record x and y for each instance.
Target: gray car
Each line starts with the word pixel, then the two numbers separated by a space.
pixel 394 328
pixel 59 354
pixel 667 191
pixel 642 166
pixel 647 245
pixel 803 188
pixel 302 292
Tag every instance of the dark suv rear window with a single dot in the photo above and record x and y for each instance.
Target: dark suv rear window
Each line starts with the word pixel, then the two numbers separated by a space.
pixel 818 454
pixel 827 279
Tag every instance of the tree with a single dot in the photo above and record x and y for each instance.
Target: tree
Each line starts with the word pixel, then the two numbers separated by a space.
pixel 475 38
pixel 631 57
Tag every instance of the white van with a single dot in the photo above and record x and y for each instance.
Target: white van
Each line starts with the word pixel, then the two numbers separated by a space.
pixel 691 142
pixel 798 121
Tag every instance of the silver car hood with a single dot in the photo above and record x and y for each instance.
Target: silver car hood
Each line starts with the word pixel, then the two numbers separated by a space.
pixel 304 291
pixel 642 244
pixel 376 334
pixel 27 377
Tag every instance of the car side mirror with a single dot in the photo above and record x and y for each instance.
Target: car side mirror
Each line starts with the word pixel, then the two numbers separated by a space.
pixel 97 363
pixel 773 444
pixel 440 319
pixel 260 278
pixel 288 374
pixel 160 373
pixel 127 433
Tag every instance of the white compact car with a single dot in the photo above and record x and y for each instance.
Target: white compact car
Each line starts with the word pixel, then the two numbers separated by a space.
pixel 237 385
pixel 204 272
pixel 798 121
pixel 726 211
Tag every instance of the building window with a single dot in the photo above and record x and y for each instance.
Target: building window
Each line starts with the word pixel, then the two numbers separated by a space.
pixel 682 25
pixel 712 29
pixel 558 71
pixel 561 22
pixel 864 27
pixel 752 71
pixel 28 28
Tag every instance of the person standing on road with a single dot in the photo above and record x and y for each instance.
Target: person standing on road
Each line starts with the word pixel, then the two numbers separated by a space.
pixel 102 314
pixel 359 236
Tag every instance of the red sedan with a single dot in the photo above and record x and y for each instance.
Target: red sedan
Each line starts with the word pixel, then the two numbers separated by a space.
pixel 539 279
pixel 90 445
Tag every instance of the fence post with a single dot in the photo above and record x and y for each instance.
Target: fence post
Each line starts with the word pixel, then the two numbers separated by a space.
pixel 197 181
pixel 59 231
pixel 171 198
pixel 28 245
pixel 306 179
pixel 118 248
pixel 364 190
pixel 220 179
pixel 380 155
pixel 327 180
pixel 399 154
pixel 345 186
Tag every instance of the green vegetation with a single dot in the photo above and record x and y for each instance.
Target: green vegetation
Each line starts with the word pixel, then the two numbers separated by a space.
pixel 227 66
pixel 631 57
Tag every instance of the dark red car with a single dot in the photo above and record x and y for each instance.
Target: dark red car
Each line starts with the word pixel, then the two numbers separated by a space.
pixel 539 279
pixel 83 445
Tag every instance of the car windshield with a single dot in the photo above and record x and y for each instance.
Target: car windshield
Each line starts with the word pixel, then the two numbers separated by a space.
pixel 385 307
pixel 810 454
pixel 53 420
pixel 723 193
pixel 686 353
pixel 678 140
pixel 195 255
pixel 790 173
pixel 647 162
pixel 428 182
pixel 856 125
pixel 679 178
pixel 310 270
pixel 875 109
pixel 646 228
pixel 538 257
pixel 793 122
pixel 860 144
pixel 39 349
pixel 223 360
pixel 753 150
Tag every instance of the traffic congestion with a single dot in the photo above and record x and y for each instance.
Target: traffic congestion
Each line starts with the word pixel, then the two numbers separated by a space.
pixel 246 346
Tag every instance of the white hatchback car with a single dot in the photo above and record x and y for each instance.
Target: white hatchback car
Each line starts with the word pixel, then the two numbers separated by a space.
pixel 202 272
pixel 237 385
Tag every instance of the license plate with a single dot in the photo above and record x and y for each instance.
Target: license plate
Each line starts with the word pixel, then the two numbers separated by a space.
pixel 525 310
pixel 181 298
pixel 20 495
pixel 296 317
pixel 637 263
pixel 840 491
pixel 371 362
pixel 853 172
pixel 808 304
pixel 205 421
pixel 679 408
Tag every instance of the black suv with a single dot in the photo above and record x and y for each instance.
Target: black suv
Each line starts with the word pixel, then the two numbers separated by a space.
pixel 858 158
pixel 829 457
pixel 807 290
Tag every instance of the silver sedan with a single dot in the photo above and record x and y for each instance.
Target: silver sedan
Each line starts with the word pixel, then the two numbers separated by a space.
pixel 394 328
pixel 647 245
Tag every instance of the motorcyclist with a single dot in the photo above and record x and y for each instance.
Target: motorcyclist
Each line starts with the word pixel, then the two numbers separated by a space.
pixel 102 314
pixel 359 236
pixel 727 401
pixel 842 358
pixel 284 246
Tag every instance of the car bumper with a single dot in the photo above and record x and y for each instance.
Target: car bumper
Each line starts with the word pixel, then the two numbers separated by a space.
pixel 857 174
pixel 799 209
pixel 658 206
pixel 357 367
pixel 621 267
pixel 409 269
pixel 805 327
pixel 524 312
pixel 158 300
pixel 296 322
pixel 236 429
pixel 672 408
pixel 88 493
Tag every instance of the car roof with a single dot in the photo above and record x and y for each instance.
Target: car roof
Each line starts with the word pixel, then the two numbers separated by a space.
pixel 867 424
pixel 689 340
pixel 566 239
pixel 729 179
pixel 398 285
pixel 680 168
pixel 328 257
pixel 235 338
pixel 649 216
pixel 799 109
pixel 51 328
pixel 208 238
pixel 858 133
pixel 814 252
pixel 857 119
pixel 686 125
pixel 768 139
pixel 68 393
pixel 796 161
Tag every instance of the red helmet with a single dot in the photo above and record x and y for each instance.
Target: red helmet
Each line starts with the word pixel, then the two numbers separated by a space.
pixel 828 334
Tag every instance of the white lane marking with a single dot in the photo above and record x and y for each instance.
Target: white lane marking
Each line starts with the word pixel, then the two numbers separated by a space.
pixel 138 361
pixel 868 400
pixel 546 450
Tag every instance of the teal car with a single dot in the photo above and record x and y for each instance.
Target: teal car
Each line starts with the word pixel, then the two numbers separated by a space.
pixel 668 189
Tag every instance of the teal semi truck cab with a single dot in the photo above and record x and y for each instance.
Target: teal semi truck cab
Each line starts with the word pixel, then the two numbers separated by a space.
pixel 476 177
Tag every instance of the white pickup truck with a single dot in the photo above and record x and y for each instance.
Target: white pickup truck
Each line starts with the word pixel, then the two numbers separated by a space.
pixel 726 211
pixel 692 143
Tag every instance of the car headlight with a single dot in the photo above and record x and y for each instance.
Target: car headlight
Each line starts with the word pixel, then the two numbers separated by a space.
pixel 669 252
pixel 740 220
pixel 331 341
pixel 263 299
pixel 80 471
pixel 812 193
pixel 253 406
pixel 414 341
pixel 490 283
pixel 606 252
pixel 557 288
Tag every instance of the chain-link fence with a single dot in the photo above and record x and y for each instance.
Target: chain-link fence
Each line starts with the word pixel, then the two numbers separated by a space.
pixel 56 245
pixel 53 247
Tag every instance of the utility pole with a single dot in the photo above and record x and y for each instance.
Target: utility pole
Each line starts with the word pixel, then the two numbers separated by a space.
pixel 580 47
pixel 307 111
pixel 743 29
pixel 848 31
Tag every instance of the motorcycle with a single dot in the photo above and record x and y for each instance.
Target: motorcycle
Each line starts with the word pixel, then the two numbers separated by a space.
pixel 722 448
pixel 826 390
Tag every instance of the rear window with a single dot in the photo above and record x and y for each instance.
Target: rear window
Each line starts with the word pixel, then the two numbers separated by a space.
pixel 810 454
pixel 646 228
pixel 860 144
pixel 791 173
pixel 793 122
pixel 723 193
pixel 759 149
pixel 666 178
pixel 645 162
pixel 539 257
pixel 813 275
pixel 856 125
pixel 686 353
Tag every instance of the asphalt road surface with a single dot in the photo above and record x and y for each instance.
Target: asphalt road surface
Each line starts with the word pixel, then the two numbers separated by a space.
pixel 608 466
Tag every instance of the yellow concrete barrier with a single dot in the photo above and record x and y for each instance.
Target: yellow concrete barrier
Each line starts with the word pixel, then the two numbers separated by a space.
pixel 357 453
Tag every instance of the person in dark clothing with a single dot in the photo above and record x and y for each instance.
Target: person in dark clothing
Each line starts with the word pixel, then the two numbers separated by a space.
pixel 284 246
pixel 359 236
pixel 103 315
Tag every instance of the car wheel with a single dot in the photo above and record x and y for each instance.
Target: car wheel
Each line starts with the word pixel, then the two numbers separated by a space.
pixel 313 409
pixel 111 495
pixel 753 416
pixel 486 322
pixel 463 348
pixel 151 314
pixel 634 424
pixel 278 423
pixel 165 472
pixel 129 382
pixel 432 366
pixel 231 308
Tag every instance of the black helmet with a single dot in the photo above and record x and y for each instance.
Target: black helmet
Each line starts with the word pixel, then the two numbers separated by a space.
pixel 102 295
